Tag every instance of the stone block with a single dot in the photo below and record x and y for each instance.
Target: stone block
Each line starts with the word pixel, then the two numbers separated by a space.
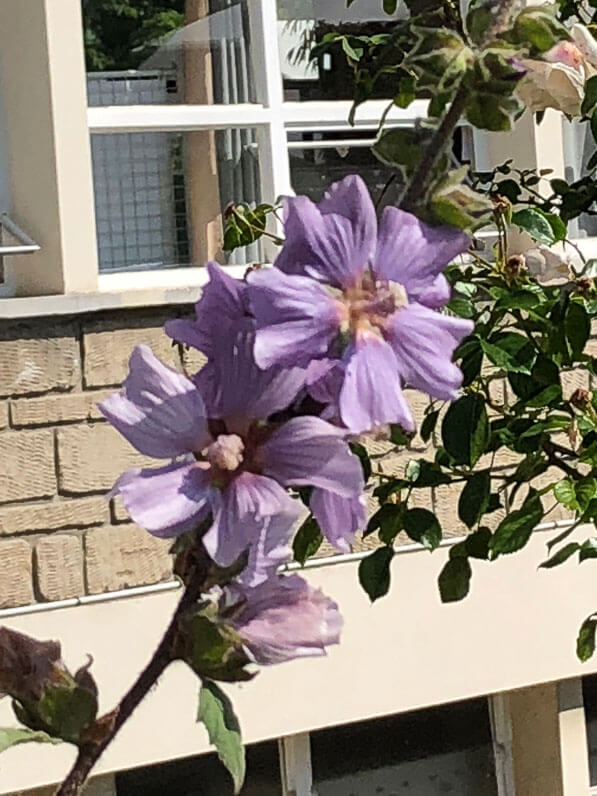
pixel 39 359
pixel 27 470
pixel 119 557
pixel 91 457
pixel 49 516
pixel 68 408
pixel 16 583
pixel 3 414
pixel 107 350
pixel 59 567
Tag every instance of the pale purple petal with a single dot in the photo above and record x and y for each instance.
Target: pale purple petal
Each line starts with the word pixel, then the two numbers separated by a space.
pixel 437 295
pixel 235 386
pixel 424 342
pixel 339 518
pixel 333 241
pixel 166 501
pixel 296 318
pixel 286 618
pixel 414 253
pixel 253 514
pixel 324 380
pixel 221 306
pixel 371 394
pixel 159 411
pixel 307 451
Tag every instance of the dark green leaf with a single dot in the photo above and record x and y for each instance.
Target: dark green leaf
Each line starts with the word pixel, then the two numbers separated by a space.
pixel 590 99
pixel 428 425
pixel 307 541
pixel 585 643
pixel 588 549
pixel 454 579
pixel 374 572
pixel 534 222
pixel 424 473
pixel 510 351
pixel 515 530
pixel 361 451
pixel 388 521
pixel 465 429
pixel 562 555
pixel 422 526
pixel 67 710
pixel 217 714
pixel 477 544
pixel 389 6
pixel 474 498
pixel 577 327
pixel 10 736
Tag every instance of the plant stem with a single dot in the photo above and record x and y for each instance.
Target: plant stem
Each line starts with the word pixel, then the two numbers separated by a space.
pixel 106 727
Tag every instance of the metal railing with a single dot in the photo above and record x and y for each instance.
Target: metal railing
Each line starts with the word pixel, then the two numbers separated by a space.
pixel 24 244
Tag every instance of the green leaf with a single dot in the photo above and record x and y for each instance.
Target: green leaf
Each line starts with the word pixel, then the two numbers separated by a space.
pixel 12 736
pixel 588 549
pixel 575 496
pixel 423 526
pixel 428 425
pixel 454 580
pixel 388 520
pixel 424 473
pixel 361 451
pixel 535 223
pixel 590 99
pixel 515 530
pixel 474 498
pixel 217 714
pixel 465 429
pixel 562 555
pixel 577 326
pixel 585 643
pixel 67 710
pixel 307 541
pixel 389 6
pixel 477 544
pixel 374 572
pixel 510 351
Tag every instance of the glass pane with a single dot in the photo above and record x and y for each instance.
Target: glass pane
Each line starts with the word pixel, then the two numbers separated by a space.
pixel 579 145
pixel 445 749
pixel 303 23
pixel 589 689
pixel 205 776
pixel 159 197
pixel 318 159
pixel 147 52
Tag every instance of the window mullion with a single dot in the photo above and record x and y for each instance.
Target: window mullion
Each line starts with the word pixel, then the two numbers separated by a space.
pixel 295 765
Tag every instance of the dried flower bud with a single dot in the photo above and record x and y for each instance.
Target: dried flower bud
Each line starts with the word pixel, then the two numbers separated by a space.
pixel 501 205
pixel 515 265
pixel 581 398
pixel 584 285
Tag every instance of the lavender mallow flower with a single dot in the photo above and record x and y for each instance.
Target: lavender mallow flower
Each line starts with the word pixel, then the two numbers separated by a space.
pixel 358 303
pixel 228 460
pixel 281 619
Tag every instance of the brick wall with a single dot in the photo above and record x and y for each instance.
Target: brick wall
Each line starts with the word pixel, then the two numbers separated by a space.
pixel 59 535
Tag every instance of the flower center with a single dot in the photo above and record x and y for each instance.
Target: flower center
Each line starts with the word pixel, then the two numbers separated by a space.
pixel 368 305
pixel 226 453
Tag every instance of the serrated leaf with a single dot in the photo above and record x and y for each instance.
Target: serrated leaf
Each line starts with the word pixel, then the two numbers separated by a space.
pixel 374 572
pixel 454 579
pixel 217 714
pixel 585 642
pixel 307 541
pixel 515 530
pixel 10 736
pixel 422 526
pixel 465 429
pixel 474 498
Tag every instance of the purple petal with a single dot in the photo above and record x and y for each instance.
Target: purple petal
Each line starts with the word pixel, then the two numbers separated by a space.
pixel 339 518
pixel 166 501
pixel 424 342
pixel 333 241
pixel 286 618
pixel 296 318
pixel 437 295
pixel 371 393
pixel 414 253
pixel 159 411
pixel 307 451
pixel 235 386
pixel 254 514
pixel 221 306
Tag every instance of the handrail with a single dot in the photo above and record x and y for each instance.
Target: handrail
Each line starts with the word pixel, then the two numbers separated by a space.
pixel 26 244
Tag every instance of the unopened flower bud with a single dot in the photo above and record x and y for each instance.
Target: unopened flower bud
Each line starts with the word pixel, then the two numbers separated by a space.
pixel 581 398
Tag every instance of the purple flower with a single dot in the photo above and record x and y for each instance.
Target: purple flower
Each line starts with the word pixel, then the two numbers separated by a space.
pixel 363 299
pixel 282 618
pixel 229 461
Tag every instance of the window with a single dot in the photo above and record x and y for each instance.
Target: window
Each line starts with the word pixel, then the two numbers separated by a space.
pixel 589 689
pixel 446 749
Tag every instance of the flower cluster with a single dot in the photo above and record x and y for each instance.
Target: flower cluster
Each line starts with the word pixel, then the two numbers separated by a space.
pixel 299 357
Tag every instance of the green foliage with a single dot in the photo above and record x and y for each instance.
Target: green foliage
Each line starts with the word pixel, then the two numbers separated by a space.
pixel 217 714
pixel 307 541
pixel 374 572
pixel 10 736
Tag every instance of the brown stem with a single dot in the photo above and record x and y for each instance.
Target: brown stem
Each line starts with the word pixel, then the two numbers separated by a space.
pixel 106 727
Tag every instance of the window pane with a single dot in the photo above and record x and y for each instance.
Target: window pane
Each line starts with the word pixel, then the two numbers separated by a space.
pixel 159 197
pixel 167 51
pixel 589 689
pixel 205 776
pixel 579 145
pixel 303 23
pixel 445 749
pixel 318 159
